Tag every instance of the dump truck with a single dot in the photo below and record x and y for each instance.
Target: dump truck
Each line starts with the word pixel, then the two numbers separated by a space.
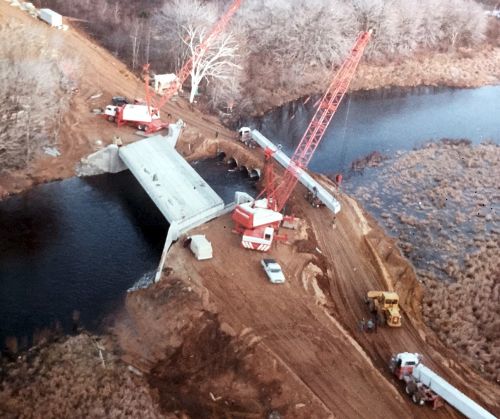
pixel 386 305
pixel 424 385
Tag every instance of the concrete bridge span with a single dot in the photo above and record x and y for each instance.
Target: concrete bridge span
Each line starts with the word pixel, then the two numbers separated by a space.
pixel 180 193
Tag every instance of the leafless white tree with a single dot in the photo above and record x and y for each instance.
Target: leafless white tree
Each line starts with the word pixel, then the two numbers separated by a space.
pixel 215 63
pixel 192 21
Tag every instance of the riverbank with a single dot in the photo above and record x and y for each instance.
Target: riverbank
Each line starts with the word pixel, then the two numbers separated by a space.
pixel 464 68
pixel 442 204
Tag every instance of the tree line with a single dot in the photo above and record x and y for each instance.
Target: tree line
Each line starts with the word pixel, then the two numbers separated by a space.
pixel 276 45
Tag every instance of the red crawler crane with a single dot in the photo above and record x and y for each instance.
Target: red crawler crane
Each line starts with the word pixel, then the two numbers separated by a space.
pixel 184 72
pixel 257 220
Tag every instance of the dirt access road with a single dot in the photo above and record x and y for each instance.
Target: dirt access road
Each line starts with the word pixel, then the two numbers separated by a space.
pixel 310 324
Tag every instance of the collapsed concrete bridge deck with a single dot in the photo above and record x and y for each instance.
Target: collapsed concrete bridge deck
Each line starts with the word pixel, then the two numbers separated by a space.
pixel 180 193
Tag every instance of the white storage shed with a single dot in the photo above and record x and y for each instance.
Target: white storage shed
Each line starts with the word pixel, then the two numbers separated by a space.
pixel 51 17
pixel 201 247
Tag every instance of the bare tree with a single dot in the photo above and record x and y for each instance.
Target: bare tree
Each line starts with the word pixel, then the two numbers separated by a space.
pixel 34 88
pixel 215 63
pixel 136 41
pixel 193 20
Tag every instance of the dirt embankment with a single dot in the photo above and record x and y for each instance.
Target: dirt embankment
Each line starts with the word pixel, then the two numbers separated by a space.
pixel 197 364
pixel 442 204
pixel 214 322
pixel 97 77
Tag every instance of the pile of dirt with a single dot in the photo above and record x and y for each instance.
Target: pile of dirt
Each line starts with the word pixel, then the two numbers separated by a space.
pixel 210 375
pixel 77 377
pixel 442 203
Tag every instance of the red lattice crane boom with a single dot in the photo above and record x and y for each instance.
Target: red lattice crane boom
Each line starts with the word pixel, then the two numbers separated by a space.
pixel 278 195
pixel 184 72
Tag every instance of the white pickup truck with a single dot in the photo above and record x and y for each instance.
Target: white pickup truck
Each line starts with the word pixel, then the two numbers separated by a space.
pixel 273 271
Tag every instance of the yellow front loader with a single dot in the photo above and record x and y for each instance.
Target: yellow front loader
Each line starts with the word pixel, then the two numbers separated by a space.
pixel 386 305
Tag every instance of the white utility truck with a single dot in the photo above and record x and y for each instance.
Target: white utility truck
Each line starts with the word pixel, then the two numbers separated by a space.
pixel 141 116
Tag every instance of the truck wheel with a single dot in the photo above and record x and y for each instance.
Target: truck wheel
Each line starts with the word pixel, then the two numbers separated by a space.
pixel 417 400
pixel 111 118
pixel 140 127
pixel 408 390
pixel 371 306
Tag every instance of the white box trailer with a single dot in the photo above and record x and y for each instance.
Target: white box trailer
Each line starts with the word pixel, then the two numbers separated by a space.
pixel 138 113
pixel 423 384
pixel 51 17
pixel 451 394
pixel 201 247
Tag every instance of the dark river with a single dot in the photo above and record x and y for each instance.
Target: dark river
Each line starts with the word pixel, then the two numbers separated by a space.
pixel 79 244
pixel 387 120
pixel 72 245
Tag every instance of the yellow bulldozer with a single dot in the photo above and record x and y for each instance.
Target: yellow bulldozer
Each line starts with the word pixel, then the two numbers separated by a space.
pixel 386 305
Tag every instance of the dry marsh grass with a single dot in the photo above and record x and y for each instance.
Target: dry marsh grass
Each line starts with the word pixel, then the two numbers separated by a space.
pixel 443 204
pixel 73 378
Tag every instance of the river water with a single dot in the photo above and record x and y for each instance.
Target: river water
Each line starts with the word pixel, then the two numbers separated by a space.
pixel 386 121
pixel 76 244
pixel 79 244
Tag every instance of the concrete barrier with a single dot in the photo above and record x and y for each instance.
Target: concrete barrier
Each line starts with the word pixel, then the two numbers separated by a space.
pixel 172 235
